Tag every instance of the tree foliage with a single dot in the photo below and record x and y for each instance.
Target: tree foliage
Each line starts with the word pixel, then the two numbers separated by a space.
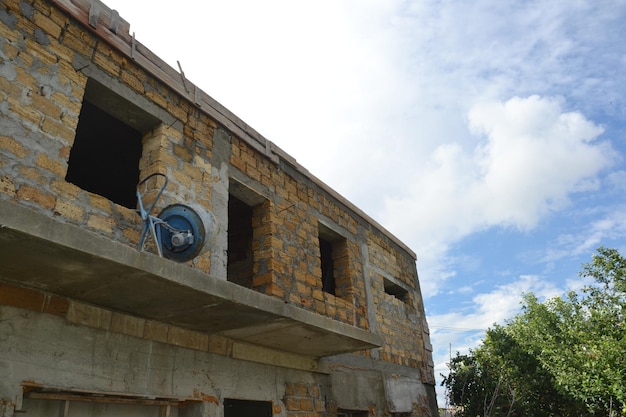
pixel 562 357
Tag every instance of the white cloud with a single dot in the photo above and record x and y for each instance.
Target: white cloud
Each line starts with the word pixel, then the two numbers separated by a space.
pixel 496 306
pixel 535 155
pixel 530 157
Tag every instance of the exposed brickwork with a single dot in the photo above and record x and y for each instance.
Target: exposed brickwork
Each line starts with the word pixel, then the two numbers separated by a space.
pixel 385 256
pixel 33 300
pixel 304 400
pixel 402 346
pixel 286 241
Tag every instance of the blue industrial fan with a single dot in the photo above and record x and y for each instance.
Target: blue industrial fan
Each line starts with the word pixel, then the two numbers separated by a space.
pixel 179 232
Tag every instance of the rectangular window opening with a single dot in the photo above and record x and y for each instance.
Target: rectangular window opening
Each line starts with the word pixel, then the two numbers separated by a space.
pixel 104 158
pixel 246 408
pixel 395 290
pixel 334 262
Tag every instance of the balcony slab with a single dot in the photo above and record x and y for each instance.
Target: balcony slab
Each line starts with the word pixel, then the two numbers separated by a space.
pixel 39 252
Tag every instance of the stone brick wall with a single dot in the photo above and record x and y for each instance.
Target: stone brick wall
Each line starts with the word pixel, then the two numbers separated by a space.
pixel 288 262
pixel 303 400
pixel 385 256
pixel 402 345
pixel 290 267
pixel 40 106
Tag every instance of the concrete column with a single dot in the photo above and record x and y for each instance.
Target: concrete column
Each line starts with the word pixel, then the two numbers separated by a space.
pixel 219 203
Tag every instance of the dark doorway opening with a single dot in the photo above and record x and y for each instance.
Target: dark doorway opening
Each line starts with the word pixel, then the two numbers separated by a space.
pixel 347 413
pixel 240 233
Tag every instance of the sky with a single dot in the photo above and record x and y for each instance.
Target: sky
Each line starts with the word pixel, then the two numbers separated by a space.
pixel 489 135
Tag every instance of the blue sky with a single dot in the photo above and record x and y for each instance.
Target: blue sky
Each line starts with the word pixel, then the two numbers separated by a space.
pixel 490 136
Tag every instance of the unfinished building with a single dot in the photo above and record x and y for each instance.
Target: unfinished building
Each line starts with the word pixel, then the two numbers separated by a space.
pixel 158 257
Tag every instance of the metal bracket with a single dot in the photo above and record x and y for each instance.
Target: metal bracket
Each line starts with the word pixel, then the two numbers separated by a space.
pixel 153 225
pixel 150 221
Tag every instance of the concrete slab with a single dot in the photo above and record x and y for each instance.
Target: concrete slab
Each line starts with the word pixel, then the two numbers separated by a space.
pixel 39 252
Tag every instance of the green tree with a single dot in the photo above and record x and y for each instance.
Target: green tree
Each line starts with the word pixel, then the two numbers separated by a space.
pixel 501 378
pixel 466 384
pixel 562 357
pixel 580 339
pixel 531 387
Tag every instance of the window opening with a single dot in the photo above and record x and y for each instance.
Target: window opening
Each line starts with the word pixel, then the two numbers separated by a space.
pixel 395 290
pixel 247 212
pixel 245 408
pixel 333 261
pixel 104 158
pixel 328 268
pixel 240 233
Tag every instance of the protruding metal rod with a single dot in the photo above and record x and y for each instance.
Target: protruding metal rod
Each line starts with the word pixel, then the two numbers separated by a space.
pixel 182 77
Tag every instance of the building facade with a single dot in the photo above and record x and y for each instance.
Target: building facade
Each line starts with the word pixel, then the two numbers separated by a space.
pixel 274 295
